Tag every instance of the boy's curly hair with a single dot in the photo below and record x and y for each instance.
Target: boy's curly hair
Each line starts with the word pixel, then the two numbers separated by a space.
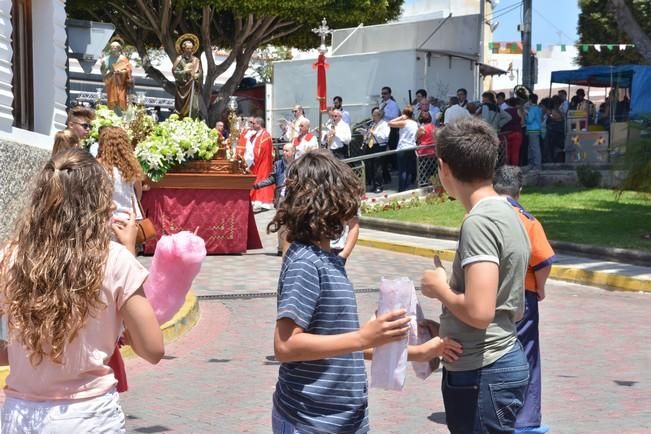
pixel 321 195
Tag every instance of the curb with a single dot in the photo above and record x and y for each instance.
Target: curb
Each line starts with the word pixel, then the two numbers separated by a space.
pixel 609 281
pixel 181 323
pixel 637 257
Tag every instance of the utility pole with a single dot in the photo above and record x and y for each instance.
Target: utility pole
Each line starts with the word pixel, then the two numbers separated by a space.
pixel 527 61
pixel 482 23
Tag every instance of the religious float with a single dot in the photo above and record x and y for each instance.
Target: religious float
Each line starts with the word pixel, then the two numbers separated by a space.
pixel 193 182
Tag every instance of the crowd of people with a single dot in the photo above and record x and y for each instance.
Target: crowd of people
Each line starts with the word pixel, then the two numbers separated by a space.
pixel 72 288
pixel 531 131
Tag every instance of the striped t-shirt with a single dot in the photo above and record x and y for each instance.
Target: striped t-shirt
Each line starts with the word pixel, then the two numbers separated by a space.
pixel 328 395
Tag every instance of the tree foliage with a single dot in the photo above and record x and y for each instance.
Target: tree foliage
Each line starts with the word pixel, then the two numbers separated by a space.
pixel 599 24
pixel 241 26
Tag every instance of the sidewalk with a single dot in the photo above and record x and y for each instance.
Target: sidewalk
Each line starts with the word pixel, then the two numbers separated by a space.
pixel 604 274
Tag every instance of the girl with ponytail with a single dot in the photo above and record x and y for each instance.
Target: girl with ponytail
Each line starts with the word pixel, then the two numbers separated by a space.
pixel 66 289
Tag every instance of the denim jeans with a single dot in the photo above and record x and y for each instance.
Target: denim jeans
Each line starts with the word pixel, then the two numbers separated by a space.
pixel 486 400
pixel 535 153
pixel 280 425
pixel 530 414
pixel 404 170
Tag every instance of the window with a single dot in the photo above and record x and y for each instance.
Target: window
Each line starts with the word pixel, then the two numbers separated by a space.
pixel 22 62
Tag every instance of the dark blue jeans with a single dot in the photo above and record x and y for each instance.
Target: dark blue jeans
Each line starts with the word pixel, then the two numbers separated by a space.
pixel 486 400
pixel 404 169
pixel 529 415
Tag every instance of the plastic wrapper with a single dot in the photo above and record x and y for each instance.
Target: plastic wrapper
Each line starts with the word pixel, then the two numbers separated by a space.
pixel 389 366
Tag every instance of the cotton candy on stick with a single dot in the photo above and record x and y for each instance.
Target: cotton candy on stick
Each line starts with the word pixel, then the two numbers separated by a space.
pixel 177 261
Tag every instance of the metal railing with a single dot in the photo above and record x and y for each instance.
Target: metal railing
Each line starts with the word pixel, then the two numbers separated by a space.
pixel 425 164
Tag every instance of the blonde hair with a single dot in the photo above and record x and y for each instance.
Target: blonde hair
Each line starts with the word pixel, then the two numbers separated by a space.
pixel 52 269
pixel 115 150
pixel 63 140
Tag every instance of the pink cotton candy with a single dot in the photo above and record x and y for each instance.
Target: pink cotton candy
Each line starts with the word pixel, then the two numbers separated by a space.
pixel 177 261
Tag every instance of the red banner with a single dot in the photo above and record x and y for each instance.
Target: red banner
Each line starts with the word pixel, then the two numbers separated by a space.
pixel 321 93
pixel 223 218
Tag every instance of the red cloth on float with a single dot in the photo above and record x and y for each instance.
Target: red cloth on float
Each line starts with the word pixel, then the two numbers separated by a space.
pixel 224 218
pixel 263 161
pixel 321 88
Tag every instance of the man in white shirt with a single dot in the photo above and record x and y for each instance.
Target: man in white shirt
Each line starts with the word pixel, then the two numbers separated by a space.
pixel 422 104
pixel 455 112
pixel 501 101
pixel 291 128
pixel 345 116
pixel 305 141
pixel 376 139
pixel 249 157
pixel 338 136
pixel 565 105
pixel 391 111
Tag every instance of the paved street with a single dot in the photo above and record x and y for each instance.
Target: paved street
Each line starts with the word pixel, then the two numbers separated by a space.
pixel 218 379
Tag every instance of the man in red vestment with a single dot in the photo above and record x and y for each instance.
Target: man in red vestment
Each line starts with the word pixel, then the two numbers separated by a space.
pixel 262 165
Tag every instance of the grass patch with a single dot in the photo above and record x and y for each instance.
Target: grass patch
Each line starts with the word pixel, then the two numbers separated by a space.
pixel 595 216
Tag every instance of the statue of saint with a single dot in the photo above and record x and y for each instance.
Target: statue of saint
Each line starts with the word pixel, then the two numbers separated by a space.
pixel 117 74
pixel 189 76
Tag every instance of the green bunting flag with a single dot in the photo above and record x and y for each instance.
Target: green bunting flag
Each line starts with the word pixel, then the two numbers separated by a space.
pixel 516 47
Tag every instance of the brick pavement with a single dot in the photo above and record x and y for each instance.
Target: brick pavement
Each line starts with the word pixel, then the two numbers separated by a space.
pixel 216 378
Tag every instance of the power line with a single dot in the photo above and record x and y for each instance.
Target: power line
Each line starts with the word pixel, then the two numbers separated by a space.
pixel 560 31
pixel 504 11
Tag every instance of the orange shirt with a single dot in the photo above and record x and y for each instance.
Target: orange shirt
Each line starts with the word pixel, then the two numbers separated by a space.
pixel 542 254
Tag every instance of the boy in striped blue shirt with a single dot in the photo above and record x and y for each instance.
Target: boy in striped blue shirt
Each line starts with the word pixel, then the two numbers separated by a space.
pixel 322 385
pixel 322 380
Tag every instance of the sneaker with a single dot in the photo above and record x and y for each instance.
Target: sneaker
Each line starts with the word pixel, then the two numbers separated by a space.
pixel 378 190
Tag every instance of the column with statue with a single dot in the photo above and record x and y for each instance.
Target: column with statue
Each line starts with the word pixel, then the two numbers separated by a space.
pixel 188 74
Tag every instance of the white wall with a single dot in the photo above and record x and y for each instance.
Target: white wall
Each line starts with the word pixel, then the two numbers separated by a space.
pixel 49 54
pixel 6 94
pixel 359 78
pixel 550 59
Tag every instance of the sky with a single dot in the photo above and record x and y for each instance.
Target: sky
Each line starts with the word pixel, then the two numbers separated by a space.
pixel 554 21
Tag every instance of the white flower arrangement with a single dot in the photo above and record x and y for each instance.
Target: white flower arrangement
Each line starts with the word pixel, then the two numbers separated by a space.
pixel 173 142
pixel 104 117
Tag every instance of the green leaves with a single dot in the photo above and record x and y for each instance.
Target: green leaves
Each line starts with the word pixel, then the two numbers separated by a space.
pixel 597 26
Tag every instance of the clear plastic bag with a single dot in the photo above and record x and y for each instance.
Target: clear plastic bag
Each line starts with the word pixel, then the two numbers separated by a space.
pixel 389 366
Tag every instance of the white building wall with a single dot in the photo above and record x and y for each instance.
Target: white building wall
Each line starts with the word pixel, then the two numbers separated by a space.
pixel 550 59
pixel 49 53
pixel 6 94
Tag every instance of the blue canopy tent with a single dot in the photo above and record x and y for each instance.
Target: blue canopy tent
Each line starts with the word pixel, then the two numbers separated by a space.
pixel 637 78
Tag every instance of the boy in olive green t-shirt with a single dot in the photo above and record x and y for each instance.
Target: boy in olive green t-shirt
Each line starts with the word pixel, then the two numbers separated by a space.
pixel 484 388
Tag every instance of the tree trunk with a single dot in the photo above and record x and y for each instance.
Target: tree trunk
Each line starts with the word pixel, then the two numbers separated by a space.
pixel 627 22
